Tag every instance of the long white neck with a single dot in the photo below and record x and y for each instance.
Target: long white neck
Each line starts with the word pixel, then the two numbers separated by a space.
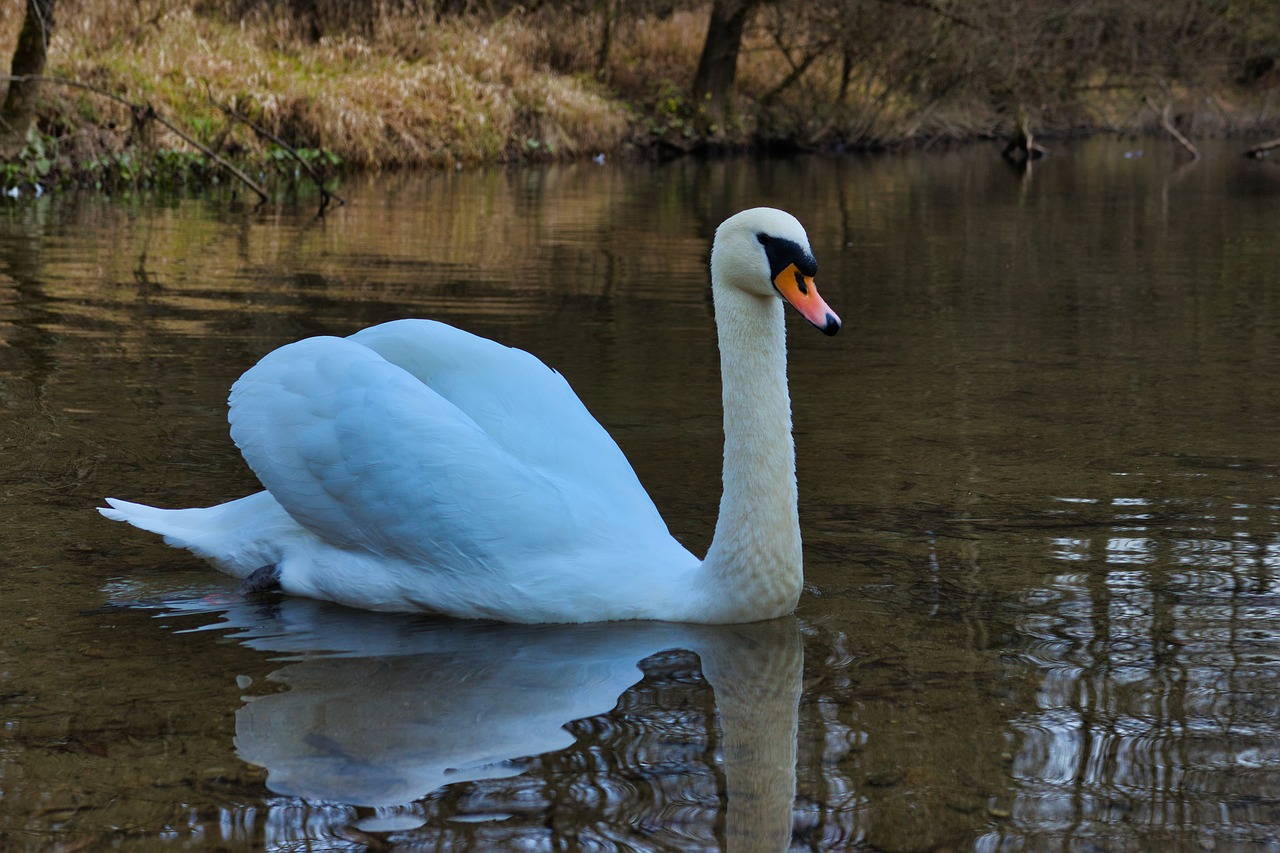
pixel 753 567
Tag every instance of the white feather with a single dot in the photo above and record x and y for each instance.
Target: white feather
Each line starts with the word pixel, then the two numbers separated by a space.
pixel 414 466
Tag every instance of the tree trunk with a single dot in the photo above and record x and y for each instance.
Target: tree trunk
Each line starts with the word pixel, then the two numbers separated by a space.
pixel 609 19
pixel 718 66
pixel 19 109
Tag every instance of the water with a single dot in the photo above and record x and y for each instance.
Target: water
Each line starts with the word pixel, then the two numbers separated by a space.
pixel 1038 476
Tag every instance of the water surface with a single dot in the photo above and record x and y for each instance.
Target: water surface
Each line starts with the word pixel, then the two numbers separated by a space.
pixel 1038 476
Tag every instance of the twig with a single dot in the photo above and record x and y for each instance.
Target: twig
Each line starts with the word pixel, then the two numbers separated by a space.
pixel 935 9
pixel 797 71
pixel 147 111
pixel 325 194
pixel 262 194
pixel 1259 151
pixel 1167 123
pixel 1022 147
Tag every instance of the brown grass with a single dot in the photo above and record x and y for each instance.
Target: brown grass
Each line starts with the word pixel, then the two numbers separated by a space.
pixel 410 95
pixel 405 89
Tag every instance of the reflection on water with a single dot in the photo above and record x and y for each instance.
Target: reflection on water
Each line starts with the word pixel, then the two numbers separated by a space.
pixel 1159 656
pixel 395 708
pixel 1038 478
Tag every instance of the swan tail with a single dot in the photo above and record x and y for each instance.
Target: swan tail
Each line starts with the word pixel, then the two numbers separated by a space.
pixel 238 537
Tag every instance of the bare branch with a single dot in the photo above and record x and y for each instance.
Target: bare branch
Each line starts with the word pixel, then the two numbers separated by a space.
pixel 325 194
pixel 147 111
pixel 1261 150
pixel 1168 125
pixel 926 6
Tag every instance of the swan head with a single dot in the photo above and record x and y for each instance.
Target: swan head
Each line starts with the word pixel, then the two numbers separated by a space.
pixel 765 252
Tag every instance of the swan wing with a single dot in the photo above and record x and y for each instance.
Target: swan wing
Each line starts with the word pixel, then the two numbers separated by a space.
pixel 518 401
pixel 473 456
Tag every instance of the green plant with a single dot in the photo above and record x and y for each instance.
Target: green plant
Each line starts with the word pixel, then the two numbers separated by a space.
pixel 33 165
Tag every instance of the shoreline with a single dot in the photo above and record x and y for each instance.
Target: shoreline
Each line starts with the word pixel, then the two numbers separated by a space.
pixel 165 93
pixel 184 171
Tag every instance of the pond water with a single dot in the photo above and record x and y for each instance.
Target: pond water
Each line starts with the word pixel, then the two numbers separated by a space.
pixel 1039 494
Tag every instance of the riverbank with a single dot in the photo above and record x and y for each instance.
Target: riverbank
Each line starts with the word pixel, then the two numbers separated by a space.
pixel 418 90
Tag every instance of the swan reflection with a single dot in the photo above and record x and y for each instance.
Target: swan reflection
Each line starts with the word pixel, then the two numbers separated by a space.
pixel 382 710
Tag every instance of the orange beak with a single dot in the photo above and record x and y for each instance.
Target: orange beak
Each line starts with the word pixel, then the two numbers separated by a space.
pixel 799 289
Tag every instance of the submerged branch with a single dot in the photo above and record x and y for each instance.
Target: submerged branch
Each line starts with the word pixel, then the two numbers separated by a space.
pixel 1022 147
pixel 325 194
pixel 1167 123
pixel 1262 149
pixel 146 111
pixel 226 164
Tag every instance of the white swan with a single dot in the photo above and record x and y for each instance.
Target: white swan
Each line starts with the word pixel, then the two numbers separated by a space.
pixel 413 466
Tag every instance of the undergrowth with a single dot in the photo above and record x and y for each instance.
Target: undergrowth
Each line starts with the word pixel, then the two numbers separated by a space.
pixel 410 88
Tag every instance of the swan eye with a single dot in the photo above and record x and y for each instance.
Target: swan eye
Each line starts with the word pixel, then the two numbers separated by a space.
pixel 783 253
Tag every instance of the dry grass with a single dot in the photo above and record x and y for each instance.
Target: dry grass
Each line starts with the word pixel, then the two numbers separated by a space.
pixel 411 91
pixel 404 89
pixel 410 95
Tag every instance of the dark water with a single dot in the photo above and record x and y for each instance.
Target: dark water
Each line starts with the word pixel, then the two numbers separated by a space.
pixel 1039 494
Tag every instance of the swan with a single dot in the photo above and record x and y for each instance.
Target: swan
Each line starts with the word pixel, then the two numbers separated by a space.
pixel 414 466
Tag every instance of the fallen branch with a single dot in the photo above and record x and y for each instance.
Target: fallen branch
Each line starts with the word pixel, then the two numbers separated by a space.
pixel 262 194
pixel 325 194
pixel 1257 152
pixel 1167 123
pixel 146 111
pixel 1022 147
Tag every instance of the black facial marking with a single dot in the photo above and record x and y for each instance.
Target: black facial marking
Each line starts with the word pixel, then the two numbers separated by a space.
pixel 800 285
pixel 782 253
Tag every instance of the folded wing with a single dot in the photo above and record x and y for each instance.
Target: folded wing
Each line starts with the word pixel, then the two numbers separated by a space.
pixel 419 441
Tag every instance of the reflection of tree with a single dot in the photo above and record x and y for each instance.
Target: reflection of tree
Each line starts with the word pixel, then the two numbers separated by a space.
pixel 903 720
pixel 21 263
pixel 1148 723
pixel 880 756
pixel 957 609
pixel 30 342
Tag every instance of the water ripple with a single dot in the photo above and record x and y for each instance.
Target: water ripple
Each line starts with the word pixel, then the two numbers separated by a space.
pixel 1158 653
